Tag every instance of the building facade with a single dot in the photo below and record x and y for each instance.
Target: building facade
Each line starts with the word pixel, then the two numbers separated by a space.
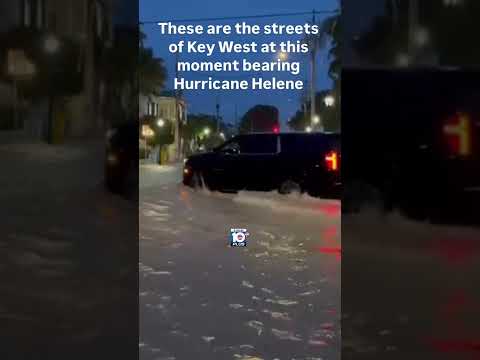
pixel 83 25
pixel 166 107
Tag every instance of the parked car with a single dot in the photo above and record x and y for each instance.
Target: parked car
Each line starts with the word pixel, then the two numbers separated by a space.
pixel 287 162
pixel 121 162
pixel 412 141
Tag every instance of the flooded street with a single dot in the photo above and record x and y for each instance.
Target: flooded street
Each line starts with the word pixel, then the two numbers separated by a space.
pixel 277 298
pixel 412 289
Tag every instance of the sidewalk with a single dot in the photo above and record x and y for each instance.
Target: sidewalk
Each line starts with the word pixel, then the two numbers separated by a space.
pixel 34 168
pixel 152 175
pixel 12 136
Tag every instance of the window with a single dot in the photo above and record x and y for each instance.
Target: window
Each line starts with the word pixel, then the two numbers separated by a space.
pixel 40 11
pixel 152 109
pixel 292 144
pixel 230 147
pixel 99 19
pixel 296 144
pixel 33 12
pixel 258 144
pixel 27 13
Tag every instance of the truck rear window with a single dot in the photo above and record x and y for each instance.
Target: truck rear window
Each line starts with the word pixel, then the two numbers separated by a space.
pixel 258 144
pixel 308 144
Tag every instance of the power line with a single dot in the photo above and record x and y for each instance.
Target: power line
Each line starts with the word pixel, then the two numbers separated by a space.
pixel 226 77
pixel 245 17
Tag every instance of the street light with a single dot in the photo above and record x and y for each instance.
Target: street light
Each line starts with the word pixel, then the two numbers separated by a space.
pixel 160 123
pixel 282 56
pixel 402 60
pixel 51 44
pixel 329 100
pixel 308 129
pixel 147 131
pixel 222 135
pixel 421 37
pixel 206 131
pixel 316 120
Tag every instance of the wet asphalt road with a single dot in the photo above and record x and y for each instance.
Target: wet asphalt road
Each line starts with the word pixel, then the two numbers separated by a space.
pixel 410 290
pixel 278 298
pixel 68 257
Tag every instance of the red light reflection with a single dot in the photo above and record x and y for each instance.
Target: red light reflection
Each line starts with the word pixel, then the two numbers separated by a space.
pixel 331 245
pixel 457 251
pixel 330 209
pixel 455 345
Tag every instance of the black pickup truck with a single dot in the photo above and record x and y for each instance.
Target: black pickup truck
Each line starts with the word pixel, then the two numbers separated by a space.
pixel 287 162
pixel 412 141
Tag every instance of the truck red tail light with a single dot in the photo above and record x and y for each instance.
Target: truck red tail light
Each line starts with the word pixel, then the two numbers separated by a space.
pixel 458 134
pixel 331 160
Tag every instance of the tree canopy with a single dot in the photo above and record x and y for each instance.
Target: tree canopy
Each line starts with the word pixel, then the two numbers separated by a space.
pixel 151 70
pixel 260 118
pixel 164 135
pixel 328 115
pixel 195 130
pixel 330 35
pixel 197 123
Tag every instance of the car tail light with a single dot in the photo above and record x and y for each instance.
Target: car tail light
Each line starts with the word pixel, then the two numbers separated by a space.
pixel 331 159
pixel 458 134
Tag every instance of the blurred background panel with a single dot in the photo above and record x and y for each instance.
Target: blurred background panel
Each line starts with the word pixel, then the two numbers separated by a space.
pixel 410 33
pixel 411 170
pixel 69 248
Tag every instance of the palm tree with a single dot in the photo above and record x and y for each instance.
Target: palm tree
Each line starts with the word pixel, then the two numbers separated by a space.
pixel 328 32
pixel 335 70
pixel 152 73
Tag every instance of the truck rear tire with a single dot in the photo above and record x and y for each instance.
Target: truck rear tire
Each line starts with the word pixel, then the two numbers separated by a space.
pixel 288 187
pixel 359 196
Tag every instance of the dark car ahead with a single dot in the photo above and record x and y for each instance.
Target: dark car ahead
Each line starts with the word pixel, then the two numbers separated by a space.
pixel 121 164
pixel 287 162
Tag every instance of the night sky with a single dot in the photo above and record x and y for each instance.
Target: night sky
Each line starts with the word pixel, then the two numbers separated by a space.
pixel 204 101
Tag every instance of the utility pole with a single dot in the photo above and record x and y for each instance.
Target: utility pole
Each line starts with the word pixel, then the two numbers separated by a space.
pixel 177 113
pixel 313 70
pixel 237 125
pixel 217 108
